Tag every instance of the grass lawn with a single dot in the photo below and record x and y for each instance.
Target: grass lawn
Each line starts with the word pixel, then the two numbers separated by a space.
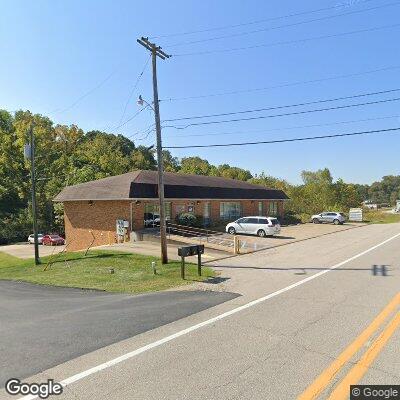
pixel 132 272
pixel 380 217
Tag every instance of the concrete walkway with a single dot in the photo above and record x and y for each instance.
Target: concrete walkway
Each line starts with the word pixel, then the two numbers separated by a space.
pixel 153 249
pixel 26 250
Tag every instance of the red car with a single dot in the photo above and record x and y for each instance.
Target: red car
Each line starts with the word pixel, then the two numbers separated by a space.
pixel 53 240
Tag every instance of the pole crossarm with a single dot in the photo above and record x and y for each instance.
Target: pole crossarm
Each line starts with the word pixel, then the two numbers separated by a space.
pixel 153 47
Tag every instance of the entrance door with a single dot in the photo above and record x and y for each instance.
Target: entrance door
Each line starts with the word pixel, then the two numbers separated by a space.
pixel 151 215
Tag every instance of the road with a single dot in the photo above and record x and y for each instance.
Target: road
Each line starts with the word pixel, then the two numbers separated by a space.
pixel 312 317
pixel 43 326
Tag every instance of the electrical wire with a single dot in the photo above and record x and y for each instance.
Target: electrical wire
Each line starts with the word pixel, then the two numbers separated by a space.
pixel 334 35
pixel 328 17
pixel 128 120
pixel 283 106
pixel 290 84
pixel 285 140
pixel 134 88
pixel 284 114
pixel 253 22
pixel 271 130
pixel 89 92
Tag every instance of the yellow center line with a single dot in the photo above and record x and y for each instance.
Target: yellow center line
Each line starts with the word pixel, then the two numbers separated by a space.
pixel 323 380
pixel 358 371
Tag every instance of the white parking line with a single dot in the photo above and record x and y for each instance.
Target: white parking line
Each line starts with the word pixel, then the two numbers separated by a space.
pixel 157 343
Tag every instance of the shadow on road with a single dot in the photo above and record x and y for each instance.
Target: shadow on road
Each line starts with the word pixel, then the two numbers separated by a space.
pixel 377 270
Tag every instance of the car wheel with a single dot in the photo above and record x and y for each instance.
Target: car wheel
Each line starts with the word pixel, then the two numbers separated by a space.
pixel 261 233
pixel 336 221
pixel 315 221
pixel 231 230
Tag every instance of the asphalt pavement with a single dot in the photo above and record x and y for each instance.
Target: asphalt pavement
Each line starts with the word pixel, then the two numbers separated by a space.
pixel 313 316
pixel 43 326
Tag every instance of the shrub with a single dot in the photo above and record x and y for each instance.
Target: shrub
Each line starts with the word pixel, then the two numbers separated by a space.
pixel 189 219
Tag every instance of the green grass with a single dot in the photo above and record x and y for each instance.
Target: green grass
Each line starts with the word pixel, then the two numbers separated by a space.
pixel 380 217
pixel 132 272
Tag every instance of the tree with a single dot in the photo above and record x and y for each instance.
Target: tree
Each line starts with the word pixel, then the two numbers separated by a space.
pixel 227 171
pixel 197 166
pixel 143 158
pixel 171 164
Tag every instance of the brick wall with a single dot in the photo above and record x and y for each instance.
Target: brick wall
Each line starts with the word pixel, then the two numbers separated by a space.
pixel 82 219
pixel 99 217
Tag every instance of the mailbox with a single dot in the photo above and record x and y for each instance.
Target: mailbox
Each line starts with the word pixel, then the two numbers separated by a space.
pixel 187 251
pixel 194 250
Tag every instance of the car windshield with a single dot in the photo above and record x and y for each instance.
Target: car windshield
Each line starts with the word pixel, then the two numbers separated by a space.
pixel 54 236
pixel 274 221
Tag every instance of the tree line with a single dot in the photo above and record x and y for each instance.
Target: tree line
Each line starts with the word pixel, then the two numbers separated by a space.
pixel 66 155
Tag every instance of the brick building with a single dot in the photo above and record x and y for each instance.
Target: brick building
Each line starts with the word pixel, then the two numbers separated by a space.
pixel 92 209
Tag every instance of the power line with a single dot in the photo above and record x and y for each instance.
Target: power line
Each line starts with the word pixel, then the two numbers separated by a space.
pixel 284 140
pixel 286 42
pixel 134 88
pixel 283 106
pixel 281 26
pixel 129 119
pixel 271 130
pixel 89 92
pixel 284 114
pixel 146 132
pixel 252 22
pixel 283 85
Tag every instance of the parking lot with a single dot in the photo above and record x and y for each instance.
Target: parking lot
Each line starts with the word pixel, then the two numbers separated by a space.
pixel 248 243
pixel 291 234
pixel 26 250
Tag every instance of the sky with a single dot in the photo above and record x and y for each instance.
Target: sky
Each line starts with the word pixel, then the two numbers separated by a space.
pixel 78 62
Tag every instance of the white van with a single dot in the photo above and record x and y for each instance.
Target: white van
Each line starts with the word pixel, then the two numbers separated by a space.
pixel 261 226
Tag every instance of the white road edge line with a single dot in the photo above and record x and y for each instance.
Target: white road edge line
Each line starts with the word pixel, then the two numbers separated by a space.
pixel 157 343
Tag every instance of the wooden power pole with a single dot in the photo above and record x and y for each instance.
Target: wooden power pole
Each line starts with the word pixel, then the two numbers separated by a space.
pixel 157 52
pixel 31 156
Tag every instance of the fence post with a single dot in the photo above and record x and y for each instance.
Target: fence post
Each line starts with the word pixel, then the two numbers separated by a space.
pixel 199 263
pixel 183 267
pixel 235 245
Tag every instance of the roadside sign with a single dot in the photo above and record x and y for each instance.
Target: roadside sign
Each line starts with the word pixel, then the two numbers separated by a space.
pixel 120 227
pixel 356 215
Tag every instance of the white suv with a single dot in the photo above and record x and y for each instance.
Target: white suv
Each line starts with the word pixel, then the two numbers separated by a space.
pixel 330 217
pixel 261 226
pixel 31 238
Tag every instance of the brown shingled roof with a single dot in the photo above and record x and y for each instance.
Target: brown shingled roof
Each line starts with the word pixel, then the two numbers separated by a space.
pixel 120 187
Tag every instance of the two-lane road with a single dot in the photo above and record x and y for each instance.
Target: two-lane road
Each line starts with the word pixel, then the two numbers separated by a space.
pixel 313 317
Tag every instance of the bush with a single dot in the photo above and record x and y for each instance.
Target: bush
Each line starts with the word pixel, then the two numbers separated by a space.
pixel 189 219
pixel 15 227
pixel 290 218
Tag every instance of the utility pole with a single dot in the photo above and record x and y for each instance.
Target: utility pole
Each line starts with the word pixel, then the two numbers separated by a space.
pixel 33 183
pixel 157 52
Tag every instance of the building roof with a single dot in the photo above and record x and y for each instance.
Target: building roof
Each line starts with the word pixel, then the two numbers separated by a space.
pixel 143 184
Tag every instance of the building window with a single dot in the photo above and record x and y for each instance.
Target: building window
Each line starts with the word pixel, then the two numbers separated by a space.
pixel 230 210
pixel 152 214
pixel 207 213
pixel 273 208
pixel 168 210
pixel 260 208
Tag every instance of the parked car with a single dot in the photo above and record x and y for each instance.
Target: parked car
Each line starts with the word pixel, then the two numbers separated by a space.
pixel 328 217
pixel 151 219
pixel 261 226
pixel 53 240
pixel 31 238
